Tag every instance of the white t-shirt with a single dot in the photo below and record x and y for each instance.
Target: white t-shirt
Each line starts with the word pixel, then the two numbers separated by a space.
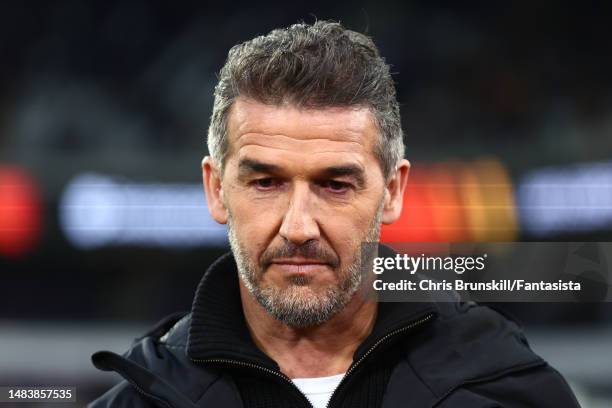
pixel 318 390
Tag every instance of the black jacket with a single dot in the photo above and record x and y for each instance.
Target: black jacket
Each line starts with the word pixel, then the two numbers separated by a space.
pixel 439 354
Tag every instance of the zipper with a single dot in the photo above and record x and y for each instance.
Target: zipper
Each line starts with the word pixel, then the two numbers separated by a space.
pixel 349 371
pixel 374 346
pixel 266 370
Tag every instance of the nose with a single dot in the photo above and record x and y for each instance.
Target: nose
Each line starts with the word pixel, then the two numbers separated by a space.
pixel 299 224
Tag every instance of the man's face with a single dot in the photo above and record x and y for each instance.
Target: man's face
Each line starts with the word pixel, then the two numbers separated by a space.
pixel 302 189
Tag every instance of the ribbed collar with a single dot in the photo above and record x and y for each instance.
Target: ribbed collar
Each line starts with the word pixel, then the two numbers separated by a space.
pixel 218 328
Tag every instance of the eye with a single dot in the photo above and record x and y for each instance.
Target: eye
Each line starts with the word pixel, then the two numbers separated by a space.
pixel 337 187
pixel 265 184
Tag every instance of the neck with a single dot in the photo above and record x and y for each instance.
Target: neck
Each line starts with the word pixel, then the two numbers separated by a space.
pixel 317 351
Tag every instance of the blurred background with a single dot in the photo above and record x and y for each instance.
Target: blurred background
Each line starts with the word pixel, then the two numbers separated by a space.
pixel 104 106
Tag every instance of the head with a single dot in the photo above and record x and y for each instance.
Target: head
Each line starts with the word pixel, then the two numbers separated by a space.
pixel 306 163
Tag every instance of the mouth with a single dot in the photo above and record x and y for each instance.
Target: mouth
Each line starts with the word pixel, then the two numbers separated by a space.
pixel 299 265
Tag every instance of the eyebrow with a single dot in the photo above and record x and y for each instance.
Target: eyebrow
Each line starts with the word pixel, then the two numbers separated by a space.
pixel 247 166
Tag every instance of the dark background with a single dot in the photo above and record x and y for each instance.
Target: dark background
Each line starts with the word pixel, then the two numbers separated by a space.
pixel 123 89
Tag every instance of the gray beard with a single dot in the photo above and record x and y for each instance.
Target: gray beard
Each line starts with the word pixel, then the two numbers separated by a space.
pixel 298 306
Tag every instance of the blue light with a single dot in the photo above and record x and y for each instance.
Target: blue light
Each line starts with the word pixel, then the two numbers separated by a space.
pixel 569 199
pixel 96 210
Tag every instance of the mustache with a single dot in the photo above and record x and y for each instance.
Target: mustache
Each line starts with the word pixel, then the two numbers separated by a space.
pixel 310 250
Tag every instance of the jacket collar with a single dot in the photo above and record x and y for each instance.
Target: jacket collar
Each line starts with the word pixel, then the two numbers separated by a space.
pixel 218 329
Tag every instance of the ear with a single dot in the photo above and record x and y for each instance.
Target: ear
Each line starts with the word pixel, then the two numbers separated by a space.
pixel 394 192
pixel 214 194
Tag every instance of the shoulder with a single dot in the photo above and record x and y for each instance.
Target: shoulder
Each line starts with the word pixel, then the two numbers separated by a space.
pixel 156 364
pixel 122 395
pixel 540 386
pixel 469 324
pixel 165 342
pixel 473 351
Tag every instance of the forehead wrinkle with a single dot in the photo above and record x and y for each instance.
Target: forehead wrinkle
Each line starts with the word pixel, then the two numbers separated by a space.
pixel 256 150
pixel 289 128
pixel 283 142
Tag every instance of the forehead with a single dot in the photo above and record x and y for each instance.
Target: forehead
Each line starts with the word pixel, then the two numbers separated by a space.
pixel 254 126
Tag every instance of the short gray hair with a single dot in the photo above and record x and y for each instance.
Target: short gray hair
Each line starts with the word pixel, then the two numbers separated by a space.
pixel 311 66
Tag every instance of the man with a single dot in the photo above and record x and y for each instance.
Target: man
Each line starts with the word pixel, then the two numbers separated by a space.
pixel 306 163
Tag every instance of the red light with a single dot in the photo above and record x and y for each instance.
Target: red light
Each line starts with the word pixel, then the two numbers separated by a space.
pixel 456 202
pixel 416 222
pixel 20 215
